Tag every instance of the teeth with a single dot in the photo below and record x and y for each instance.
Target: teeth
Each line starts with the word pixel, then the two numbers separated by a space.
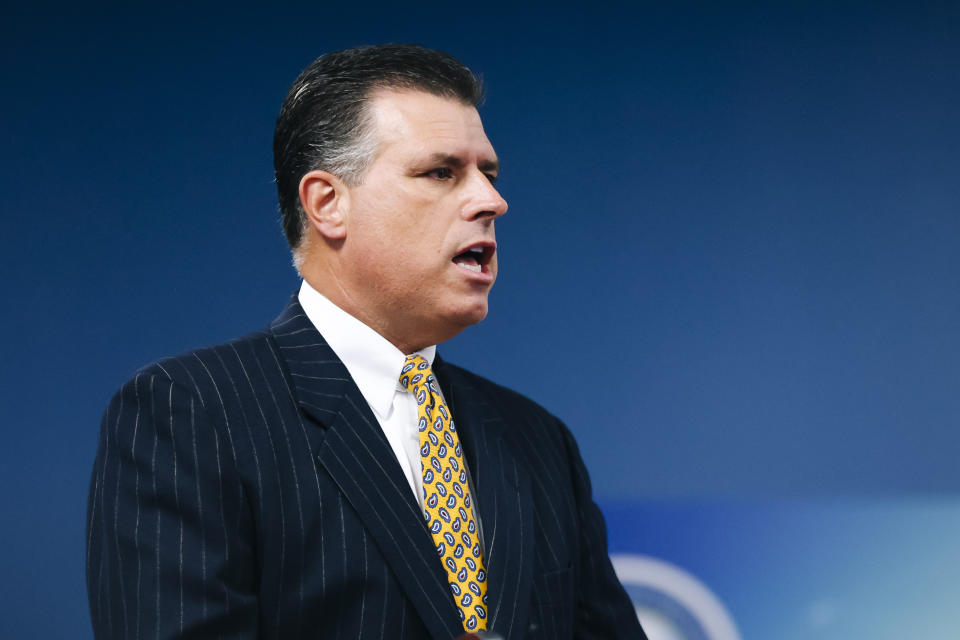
pixel 477 250
pixel 472 267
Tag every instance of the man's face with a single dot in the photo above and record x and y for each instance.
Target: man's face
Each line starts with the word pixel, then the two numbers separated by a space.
pixel 420 249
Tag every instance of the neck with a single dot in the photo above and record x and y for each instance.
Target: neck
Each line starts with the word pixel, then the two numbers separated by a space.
pixel 333 289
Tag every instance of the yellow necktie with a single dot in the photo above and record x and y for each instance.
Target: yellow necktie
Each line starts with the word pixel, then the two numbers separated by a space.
pixel 448 507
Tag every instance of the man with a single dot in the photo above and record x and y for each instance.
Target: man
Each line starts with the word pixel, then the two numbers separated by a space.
pixel 330 476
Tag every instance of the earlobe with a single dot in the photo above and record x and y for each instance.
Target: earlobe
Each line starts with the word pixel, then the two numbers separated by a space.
pixel 325 200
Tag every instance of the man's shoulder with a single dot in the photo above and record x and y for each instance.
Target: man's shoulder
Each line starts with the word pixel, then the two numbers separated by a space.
pixel 463 381
pixel 225 363
pixel 214 360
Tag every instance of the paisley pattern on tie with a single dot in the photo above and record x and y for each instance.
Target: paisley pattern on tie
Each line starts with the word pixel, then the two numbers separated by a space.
pixel 446 496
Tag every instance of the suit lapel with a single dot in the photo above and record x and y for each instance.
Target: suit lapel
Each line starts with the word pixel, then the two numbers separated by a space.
pixel 503 500
pixel 352 448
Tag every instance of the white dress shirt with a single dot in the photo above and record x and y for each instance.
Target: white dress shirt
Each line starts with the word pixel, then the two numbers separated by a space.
pixel 374 364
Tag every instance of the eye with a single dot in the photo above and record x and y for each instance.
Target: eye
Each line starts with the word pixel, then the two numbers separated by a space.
pixel 492 177
pixel 440 173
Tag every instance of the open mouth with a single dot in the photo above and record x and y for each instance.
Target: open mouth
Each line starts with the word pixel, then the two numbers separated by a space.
pixel 475 258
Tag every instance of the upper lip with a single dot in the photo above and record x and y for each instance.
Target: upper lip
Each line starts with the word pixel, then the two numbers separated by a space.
pixel 489 247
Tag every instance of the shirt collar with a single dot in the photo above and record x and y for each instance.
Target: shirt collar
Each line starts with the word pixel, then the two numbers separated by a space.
pixel 372 360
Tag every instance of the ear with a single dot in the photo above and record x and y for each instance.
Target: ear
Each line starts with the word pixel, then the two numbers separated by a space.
pixel 326 201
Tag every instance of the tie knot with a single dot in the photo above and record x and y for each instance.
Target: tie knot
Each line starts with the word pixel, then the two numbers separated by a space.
pixel 415 372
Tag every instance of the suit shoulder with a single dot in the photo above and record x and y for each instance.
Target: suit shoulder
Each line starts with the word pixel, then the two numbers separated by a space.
pixel 195 368
pixel 497 394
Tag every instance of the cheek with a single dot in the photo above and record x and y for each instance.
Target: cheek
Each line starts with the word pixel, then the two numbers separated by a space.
pixel 386 215
pixel 400 232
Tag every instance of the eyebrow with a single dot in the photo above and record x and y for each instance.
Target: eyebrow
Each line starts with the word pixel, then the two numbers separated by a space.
pixel 489 166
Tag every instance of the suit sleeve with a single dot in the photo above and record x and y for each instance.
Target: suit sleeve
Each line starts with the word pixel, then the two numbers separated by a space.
pixel 603 608
pixel 169 552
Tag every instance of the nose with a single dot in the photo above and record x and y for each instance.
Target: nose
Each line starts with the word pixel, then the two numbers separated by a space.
pixel 483 201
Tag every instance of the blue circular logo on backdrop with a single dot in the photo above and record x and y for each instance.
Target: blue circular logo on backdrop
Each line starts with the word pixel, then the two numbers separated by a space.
pixel 671 603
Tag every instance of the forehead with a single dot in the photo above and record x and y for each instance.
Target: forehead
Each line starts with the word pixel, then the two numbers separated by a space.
pixel 415 122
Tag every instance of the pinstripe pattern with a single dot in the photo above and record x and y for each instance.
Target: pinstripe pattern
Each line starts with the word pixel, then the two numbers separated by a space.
pixel 247 491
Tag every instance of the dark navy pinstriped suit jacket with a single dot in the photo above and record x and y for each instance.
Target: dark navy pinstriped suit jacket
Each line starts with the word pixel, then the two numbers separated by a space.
pixel 247 491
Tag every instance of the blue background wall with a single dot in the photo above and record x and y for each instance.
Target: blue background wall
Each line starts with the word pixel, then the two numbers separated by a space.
pixel 747 218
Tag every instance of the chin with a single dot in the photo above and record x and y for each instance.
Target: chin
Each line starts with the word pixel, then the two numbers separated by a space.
pixel 476 316
pixel 465 316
